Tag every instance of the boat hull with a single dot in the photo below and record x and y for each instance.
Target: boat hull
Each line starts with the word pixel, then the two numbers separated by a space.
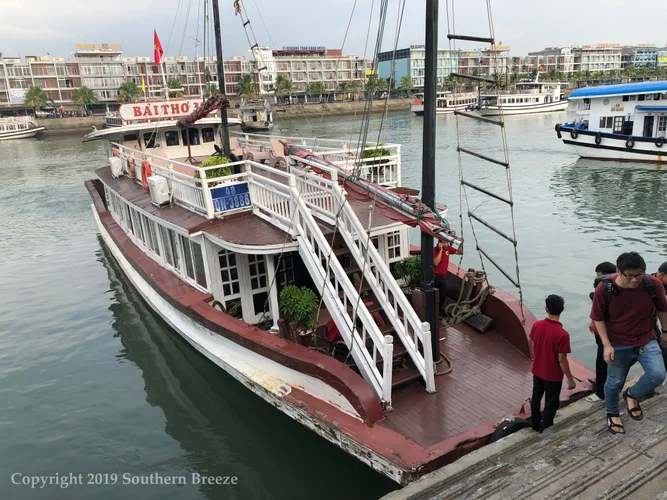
pixel 20 134
pixel 613 147
pixel 510 109
pixel 418 109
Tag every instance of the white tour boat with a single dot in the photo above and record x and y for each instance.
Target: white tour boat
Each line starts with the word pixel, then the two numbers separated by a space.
pixel 256 114
pixel 626 122
pixel 447 102
pixel 529 97
pixel 20 127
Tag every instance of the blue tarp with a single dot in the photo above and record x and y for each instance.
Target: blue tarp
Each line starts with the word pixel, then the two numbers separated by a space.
pixel 623 88
pixel 651 108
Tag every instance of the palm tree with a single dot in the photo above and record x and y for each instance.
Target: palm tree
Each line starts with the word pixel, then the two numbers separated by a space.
pixel 84 96
pixel 35 97
pixel 317 88
pixel 211 90
pixel 175 87
pixel 128 92
pixel 247 85
pixel 406 82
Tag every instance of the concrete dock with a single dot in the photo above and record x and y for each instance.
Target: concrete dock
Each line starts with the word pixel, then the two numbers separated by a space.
pixel 577 458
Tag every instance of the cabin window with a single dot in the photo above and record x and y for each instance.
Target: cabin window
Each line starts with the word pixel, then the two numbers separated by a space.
pixel 171 138
pixel 258 282
pixel 131 137
pixel 166 243
pixel 662 126
pixel 633 97
pixel 656 97
pixel 606 121
pixel 641 97
pixel 394 245
pixel 618 124
pixel 149 140
pixel 194 136
pixel 136 219
pixel 187 257
pixel 207 134
pixel 150 242
pixel 286 270
pixel 626 97
pixel 231 287
pixel 649 97
pixel 198 258
pixel 152 229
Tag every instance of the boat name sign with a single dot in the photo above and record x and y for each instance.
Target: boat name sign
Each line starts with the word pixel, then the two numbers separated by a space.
pixel 151 110
pixel 232 197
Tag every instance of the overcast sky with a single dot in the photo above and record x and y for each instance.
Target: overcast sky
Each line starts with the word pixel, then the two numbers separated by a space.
pixel 38 27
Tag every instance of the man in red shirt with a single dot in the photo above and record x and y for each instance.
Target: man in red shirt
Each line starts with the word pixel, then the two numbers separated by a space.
pixel 551 344
pixel 626 329
pixel 441 254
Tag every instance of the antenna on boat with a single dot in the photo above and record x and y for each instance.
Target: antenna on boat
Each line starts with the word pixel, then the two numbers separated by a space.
pixel 221 79
pixel 428 167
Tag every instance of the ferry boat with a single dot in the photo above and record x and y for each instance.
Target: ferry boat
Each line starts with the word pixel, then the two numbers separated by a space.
pixel 447 102
pixel 20 127
pixel 278 269
pixel 529 97
pixel 625 122
pixel 256 114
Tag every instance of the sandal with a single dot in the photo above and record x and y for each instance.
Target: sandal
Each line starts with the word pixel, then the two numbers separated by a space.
pixel 635 413
pixel 613 427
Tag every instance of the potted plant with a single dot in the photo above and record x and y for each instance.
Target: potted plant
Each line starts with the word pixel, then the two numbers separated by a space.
pixel 375 151
pixel 214 173
pixel 299 305
pixel 408 271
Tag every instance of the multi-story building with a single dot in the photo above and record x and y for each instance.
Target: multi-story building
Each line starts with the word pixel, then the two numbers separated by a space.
pixel 306 65
pixel 410 62
pixel 641 56
pixel 101 68
pixel 598 58
pixel 550 59
pixel 662 57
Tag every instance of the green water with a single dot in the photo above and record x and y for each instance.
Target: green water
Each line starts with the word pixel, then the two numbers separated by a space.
pixel 93 382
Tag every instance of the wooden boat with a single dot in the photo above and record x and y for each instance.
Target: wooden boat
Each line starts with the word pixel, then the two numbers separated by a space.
pixel 213 251
pixel 20 127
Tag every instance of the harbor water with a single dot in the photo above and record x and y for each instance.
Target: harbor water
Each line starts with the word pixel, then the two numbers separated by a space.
pixel 95 386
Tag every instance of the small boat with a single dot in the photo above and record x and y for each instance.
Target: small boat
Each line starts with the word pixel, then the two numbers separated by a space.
pixel 256 114
pixel 447 102
pixel 529 97
pixel 20 127
pixel 625 122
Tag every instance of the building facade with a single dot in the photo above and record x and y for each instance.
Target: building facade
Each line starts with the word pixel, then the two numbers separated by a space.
pixel 410 62
pixel 598 58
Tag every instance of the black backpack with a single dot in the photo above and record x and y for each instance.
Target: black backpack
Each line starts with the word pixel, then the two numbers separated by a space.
pixel 610 290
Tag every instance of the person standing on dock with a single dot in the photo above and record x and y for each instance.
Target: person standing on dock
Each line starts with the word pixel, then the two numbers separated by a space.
pixel 441 254
pixel 551 345
pixel 624 308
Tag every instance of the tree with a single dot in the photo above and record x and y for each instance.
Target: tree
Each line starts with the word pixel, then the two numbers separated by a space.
pixel 128 92
pixel 35 97
pixel 175 87
pixel 406 82
pixel 211 90
pixel 247 85
pixel 317 88
pixel 84 96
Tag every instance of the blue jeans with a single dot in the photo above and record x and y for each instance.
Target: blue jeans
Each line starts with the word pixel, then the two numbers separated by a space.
pixel 649 356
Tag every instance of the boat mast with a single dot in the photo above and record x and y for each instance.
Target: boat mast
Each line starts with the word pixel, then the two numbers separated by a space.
pixel 221 79
pixel 428 166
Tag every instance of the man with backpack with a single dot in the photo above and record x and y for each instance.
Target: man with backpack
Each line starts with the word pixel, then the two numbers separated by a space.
pixel 624 308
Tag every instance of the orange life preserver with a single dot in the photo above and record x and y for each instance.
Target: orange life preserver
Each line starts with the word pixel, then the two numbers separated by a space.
pixel 130 168
pixel 115 152
pixel 145 173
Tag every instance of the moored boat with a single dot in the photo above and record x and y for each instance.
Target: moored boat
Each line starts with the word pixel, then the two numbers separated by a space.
pixel 625 122
pixel 256 114
pixel 447 102
pixel 529 97
pixel 20 127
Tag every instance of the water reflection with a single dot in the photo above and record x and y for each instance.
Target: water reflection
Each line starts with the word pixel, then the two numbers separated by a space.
pixel 614 194
pixel 222 427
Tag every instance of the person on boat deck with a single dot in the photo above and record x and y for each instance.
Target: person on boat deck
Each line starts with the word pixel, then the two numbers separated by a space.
pixel 441 254
pixel 551 345
pixel 626 329
pixel 600 365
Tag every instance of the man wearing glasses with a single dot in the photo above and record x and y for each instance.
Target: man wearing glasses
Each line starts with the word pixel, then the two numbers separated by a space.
pixel 625 326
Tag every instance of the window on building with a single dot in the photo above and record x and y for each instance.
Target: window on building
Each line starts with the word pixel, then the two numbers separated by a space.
pixel 171 138
pixel 394 245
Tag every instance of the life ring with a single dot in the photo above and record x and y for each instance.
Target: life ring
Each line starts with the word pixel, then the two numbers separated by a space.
pixel 557 127
pixel 574 134
pixel 598 138
pixel 630 143
pixel 130 168
pixel 145 173
pixel 659 141
pixel 266 124
pixel 115 153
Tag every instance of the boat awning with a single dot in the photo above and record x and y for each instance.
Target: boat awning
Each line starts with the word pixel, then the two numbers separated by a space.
pixel 651 109
pixel 620 89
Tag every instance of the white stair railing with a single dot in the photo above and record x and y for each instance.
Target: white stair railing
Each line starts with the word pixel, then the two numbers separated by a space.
pixel 413 333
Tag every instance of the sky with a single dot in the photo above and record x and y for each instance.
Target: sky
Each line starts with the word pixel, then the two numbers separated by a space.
pixel 40 27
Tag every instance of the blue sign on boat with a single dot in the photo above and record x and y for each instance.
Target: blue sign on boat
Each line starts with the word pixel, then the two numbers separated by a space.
pixel 230 197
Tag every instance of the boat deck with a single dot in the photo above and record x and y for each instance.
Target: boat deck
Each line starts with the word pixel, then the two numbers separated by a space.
pixel 472 394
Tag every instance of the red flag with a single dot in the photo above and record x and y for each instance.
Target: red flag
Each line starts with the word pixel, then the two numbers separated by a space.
pixel 157 49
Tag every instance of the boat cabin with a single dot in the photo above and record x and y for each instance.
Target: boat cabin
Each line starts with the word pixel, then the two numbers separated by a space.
pixel 256 114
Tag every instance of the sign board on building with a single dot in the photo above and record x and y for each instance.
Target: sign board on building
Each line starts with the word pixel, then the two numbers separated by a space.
pixel 17 96
pixel 98 46
pixel 228 198
pixel 304 48
pixel 163 110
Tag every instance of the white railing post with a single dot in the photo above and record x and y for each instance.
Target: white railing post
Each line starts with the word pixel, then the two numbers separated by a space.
pixel 397 173
pixel 208 200
pixel 428 357
pixel 387 369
